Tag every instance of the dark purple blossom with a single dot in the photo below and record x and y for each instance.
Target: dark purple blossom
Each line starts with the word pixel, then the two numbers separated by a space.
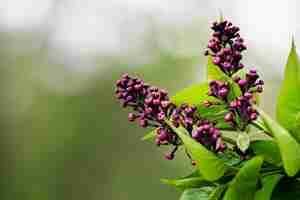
pixel 226 47
pixel 151 106
pixel 200 129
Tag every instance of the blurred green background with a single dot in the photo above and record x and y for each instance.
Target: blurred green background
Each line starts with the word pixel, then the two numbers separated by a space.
pixel 63 134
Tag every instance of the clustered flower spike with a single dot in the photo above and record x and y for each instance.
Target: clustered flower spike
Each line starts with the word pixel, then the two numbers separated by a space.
pixel 226 47
pixel 200 129
pixel 152 106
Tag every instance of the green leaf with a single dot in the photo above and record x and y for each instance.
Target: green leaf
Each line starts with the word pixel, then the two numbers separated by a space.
pixel 194 180
pixel 288 146
pixel 243 141
pixel 288 102
pixel 208 164
pixel 268 185
pixel 197 193
pixel 287 189
pixel 186 183
pixel 150 135
pixel 235 90
pixel 194 94
pixel 268 149
pixel 243 185
pixel 217 192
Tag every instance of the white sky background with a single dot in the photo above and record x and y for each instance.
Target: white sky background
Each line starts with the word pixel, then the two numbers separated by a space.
pixel 96 26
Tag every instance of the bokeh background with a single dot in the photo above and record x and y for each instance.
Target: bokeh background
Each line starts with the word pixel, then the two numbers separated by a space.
pixel 63 135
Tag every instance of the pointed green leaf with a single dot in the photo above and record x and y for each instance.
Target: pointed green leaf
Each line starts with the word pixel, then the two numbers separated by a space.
pixel 243 141
pixel 235 90
pixel 243 185
pixel 268 185
pixel 287 189
pixel 268 149
pixel 149 136
pixel 288 102
pixel 288 146
pixel 196 193
pixel 186 183
pixel 194 180
pixel 217 192
pixel 194 94
pixel 208 164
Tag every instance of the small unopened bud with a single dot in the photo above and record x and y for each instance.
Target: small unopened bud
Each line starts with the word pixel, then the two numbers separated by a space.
pixel 156 102
pixel 143 123
pixel 253 116
pixel 242 83
pixel 131 117
pixel 161 116
pixel 169 156
pixel 223 92
pixel 216 60
pixel 228 117
pixel 259 88
pixel 248 95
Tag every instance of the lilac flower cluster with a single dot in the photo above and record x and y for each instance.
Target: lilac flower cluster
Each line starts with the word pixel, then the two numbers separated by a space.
pixel 200 129
pixel 218 89
pixel 242 105
pixel 226 47
pixel 152 106
pixel 150 103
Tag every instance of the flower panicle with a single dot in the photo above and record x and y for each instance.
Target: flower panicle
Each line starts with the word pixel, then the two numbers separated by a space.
pixel 225 47
pixel 151 106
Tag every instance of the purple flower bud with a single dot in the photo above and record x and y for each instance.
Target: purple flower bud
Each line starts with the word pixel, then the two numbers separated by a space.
pixel 161 116
pixel 253 116
pixel 143 123
pixel 169 156
pixel 227 50
pixel 206 127
pixel 148 110
pixel 228 117
pixel 156 102
pixel 165 104
pixel 223 92
pixel 248 95
pixel 188 121
pixel 259 82
pixel 216 60
pixel 259 88
pixel 227 65
pixel 241 66
pixel 253 71
pixel 129 98
pixel 220 146
pixel 148 100
pixel 242 83
pixel 163 135
pixel 131 117
pixel 196 134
